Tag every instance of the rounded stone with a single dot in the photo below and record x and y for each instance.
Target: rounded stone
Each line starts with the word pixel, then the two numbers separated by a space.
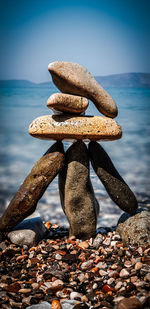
pixel 73 78
pixel 60 127
pixel 67 103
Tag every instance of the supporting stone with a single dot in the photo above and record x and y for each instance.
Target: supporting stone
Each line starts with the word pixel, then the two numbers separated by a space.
pixel 69 127
pixel 25 200
pixel 76 192
pixel 114 184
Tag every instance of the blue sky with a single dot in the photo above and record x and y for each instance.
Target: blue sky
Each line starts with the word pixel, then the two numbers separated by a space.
pixel 106 36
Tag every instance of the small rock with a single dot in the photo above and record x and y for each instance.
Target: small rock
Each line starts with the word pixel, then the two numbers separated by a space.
pixel 118 285
pixel 43 305
pixel 58 284
pixel 147 277
pixel 24 291
pixel 124 273
pixel 29 232
pixel 84 244
pixel 75 295
pixel 107 241
pixel 127 264
pixel 138 265
pixel 86 265
pixel 58 257
pixel 130 303
pixel 97 241
pixel 68 304
pixel 110 281
pixel 55 304
pixel 102 272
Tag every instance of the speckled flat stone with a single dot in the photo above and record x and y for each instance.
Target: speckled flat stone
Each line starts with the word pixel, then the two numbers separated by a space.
pixel 60 127
pixel 73 78
pixel 67 103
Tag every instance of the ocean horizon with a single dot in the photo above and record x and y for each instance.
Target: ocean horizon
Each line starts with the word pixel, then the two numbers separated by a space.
pixel 19 151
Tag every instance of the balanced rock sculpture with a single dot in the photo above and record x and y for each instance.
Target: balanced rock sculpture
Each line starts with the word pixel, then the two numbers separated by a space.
pixel 76 192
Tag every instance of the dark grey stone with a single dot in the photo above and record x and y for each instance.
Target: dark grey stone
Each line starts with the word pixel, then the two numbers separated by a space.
pixel 114 184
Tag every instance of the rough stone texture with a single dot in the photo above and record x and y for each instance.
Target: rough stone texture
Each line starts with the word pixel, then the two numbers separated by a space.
pixel 76 192
pixel 25 200
pixel 65 304
pixel 79 128
pixel 135 229
pixel 42 305
pixel 114 184
pixel 75 79
pixel 29 232
pixel 130 303
pixel 67 103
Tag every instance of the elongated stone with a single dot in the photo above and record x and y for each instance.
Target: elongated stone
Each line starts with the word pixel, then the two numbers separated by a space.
pixel 25 200
pixel 76 192
pixel 114 184
pixel 61 127
pixel 67 103
pixel 73 78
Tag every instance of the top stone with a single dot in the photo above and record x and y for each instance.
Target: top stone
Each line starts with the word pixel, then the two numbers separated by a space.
pixel 73 78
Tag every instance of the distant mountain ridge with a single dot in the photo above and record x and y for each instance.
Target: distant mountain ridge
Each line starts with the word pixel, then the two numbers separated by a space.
pixel 129 80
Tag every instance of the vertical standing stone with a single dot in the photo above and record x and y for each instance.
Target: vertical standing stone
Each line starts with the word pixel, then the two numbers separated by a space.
pixel 25 200
pixel 116 187
pixel 76 192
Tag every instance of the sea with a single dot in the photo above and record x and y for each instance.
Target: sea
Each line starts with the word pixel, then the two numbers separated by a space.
pixel 19 151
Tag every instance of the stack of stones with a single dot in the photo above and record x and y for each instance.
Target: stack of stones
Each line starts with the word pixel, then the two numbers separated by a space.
pixel 69 123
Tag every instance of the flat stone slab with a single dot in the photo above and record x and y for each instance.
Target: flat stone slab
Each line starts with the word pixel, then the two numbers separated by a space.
pixel 60 127
pixel 73 78
pixel 67 103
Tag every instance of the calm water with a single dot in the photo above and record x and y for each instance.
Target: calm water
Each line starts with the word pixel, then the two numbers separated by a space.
pixel 19 151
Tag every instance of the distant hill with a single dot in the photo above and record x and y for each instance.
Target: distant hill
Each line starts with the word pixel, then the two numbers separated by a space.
pixel 15 83
pixel 131 80
pixel 139 80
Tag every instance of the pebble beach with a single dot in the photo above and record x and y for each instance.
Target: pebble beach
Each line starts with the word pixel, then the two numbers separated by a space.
pixel 98 273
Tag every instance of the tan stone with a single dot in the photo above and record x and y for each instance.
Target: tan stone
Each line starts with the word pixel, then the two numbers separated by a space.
pixel 59 127
pixel 67 103
pixel 75 79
